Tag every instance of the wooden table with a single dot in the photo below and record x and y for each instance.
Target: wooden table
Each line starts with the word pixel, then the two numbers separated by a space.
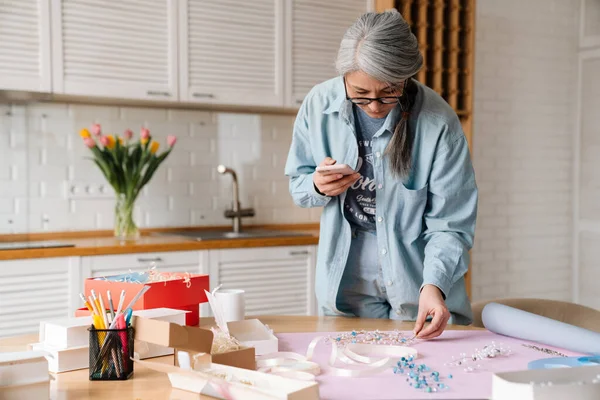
pixel 147 384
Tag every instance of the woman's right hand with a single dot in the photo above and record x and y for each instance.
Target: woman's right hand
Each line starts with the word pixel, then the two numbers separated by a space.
pixel 333 184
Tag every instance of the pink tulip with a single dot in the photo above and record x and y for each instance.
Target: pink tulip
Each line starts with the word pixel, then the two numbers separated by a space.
pixel 145 133
pixel 89 142
pixel 104 140
pixel 171 140
pixel 128 134
pixel 96 130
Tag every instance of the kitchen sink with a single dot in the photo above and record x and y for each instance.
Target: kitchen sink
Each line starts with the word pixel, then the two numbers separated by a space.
pixel 227 234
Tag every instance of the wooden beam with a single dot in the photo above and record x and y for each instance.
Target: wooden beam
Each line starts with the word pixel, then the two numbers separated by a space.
pixel 382 5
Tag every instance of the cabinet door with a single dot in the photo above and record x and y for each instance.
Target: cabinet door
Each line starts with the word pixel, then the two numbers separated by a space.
pixel 120 49
pixel 277 280
pixel 313 35
pixel 35 290
pixel 231 52
pixel 25 45
pixel 173 261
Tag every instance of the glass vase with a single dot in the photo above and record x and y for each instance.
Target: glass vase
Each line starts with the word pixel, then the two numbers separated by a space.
pixel 125 227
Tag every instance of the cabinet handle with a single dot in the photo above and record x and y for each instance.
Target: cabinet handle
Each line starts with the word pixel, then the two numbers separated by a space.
pixel 150 259
pixel 299 253
pixel 157 93
pixel 208 95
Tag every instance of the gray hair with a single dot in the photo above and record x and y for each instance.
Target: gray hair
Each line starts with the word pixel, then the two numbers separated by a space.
pixel 383 46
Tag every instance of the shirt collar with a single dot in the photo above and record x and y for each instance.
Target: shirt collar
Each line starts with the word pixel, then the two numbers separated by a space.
pixel 338 102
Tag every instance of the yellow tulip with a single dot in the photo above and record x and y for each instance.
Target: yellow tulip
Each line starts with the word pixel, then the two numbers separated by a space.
pixel 111 141
pixel 154 147
pixel 121 141
pixel 84 133
pixel 143 141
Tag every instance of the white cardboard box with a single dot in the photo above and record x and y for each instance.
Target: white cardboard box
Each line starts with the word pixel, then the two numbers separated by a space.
pixel 23 368
pixel 253 333
pixel 566 383
pixel 73 331
pixel 205 380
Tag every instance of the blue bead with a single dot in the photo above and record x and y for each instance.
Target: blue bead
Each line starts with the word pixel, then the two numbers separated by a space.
pixel 401 370
pixel 403 359
pixel 411 366
pixel 353 333
pixel 418 386
pixel 450 376
pixel 441 385
pixel 395 369
pixel 435 378
pixel 428 390
pixel 338 339
pixel 403 340
pixel 353 341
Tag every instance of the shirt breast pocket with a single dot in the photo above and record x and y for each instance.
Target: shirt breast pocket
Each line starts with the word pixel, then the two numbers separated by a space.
pixel 412 208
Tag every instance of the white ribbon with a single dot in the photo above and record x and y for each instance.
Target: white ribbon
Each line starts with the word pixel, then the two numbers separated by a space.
pixel 372 358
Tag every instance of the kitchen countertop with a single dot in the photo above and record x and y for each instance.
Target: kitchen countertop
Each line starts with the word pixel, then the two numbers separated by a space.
pixel 90 243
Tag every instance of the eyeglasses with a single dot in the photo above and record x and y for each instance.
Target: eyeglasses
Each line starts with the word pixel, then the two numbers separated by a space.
pixel 363 101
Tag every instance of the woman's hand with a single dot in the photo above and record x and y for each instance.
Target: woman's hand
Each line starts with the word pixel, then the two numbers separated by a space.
pixel 333 184
pixel 431 302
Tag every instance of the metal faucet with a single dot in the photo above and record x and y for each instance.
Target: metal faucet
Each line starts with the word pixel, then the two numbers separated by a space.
pixel 236 213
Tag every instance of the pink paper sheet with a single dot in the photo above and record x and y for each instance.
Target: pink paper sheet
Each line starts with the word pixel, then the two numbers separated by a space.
pixel 434 353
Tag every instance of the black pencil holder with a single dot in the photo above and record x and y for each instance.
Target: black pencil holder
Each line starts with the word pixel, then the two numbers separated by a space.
pixel 111 351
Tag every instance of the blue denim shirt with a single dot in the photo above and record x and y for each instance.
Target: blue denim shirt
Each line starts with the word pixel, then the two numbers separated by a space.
pixel 425 223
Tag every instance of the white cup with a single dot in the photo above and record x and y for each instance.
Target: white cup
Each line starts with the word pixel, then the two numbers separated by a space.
pixel 232 304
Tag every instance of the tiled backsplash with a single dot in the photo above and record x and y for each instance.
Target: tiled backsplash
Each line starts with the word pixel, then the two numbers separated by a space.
pixel 42 158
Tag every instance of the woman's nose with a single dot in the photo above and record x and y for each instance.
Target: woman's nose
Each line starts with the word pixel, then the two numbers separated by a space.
pixel 375 107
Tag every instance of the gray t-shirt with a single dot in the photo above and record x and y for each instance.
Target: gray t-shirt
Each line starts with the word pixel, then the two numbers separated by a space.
pixel 359 207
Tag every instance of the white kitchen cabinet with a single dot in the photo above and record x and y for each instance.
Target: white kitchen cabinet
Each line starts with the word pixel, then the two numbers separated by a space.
pixel 231 52
pixel 117 49
pixel 33 290
pixel 25 45
pixel 314 30
pixel 277 280
pixel 168 261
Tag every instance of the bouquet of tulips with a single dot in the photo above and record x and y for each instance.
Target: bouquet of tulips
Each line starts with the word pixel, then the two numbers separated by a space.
pixel 128 165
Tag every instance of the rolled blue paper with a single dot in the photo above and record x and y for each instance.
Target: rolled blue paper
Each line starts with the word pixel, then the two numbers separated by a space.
pixel 519 324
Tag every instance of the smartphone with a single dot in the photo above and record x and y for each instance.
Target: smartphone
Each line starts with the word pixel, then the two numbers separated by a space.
pixel 343 169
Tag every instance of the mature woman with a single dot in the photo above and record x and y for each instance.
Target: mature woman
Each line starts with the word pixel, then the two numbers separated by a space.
pixel 395 234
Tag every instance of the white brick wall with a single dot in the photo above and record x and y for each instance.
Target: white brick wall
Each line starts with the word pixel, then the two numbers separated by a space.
pixel 525 79
pixel 41 154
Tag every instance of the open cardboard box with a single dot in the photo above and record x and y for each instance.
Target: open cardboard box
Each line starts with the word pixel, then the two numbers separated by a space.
pixel 191 340
pixel 253 333
pixel 173 293
pixel 226 382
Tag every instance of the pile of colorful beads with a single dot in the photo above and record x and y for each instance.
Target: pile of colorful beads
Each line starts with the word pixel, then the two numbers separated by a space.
pixel 420 376
pixel 394 338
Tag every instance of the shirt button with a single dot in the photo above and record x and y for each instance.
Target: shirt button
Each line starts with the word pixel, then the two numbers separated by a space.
pixel 378 154
pixel 390 283
pixel 383 251
pixel 398 312
pixel 380 186
pixel 379 219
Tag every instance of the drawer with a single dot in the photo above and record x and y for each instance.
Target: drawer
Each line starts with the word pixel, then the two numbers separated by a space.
pixel 264 253
pixel 142 261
